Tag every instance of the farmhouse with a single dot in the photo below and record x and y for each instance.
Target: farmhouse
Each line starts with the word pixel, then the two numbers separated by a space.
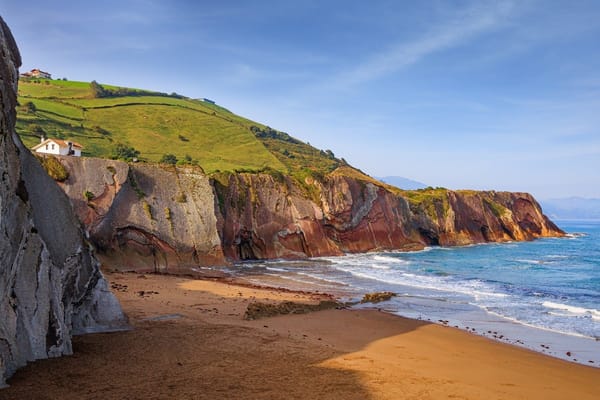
pixel 58 147
pixel 37 73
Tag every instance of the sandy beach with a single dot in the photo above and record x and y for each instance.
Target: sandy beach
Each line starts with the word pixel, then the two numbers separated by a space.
pixel 190 341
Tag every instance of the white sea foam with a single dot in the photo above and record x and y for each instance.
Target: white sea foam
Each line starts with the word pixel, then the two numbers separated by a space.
pixel 536 262
pixel 379 266
pixel 543 328
pixel 276 269
pixel 388 259
pixel 519 293
pixel 475 288
pixel 573 310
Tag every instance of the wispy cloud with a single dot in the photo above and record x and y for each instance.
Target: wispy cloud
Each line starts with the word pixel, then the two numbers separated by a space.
pixel 242 74
pixel 461 28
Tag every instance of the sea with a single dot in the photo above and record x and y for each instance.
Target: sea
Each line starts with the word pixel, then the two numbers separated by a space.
pixel 543 295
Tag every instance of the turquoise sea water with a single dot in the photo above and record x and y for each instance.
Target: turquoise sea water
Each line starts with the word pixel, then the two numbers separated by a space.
pixel 544 294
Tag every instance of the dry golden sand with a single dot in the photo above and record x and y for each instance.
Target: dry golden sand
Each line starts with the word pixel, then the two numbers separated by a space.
pixel 190 342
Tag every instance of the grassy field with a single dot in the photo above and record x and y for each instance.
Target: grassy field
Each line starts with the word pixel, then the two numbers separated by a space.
pixel 156 124
pixel 42 88
pixel 195 131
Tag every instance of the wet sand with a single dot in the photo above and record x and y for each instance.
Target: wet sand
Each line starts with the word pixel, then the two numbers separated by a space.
pixel 190 341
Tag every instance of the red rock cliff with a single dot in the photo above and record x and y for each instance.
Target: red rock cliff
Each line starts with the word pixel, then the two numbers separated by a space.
pixel 173 219
pixel 266 218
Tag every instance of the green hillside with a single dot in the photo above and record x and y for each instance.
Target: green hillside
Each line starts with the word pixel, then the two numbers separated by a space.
pixel 101 117
pixel 104 118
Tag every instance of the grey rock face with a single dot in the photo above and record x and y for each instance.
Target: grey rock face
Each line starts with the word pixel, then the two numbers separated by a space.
pixel 50 283
pixel 145 217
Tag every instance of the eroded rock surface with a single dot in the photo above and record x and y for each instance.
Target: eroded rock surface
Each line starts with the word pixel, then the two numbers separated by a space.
pixel 176 219
pixel 50 283
pixel 145 217
pixel 265 218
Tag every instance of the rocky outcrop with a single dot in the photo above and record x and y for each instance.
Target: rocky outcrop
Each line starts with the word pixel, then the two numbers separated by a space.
pixel 145 217
pixel 264 218
pixel 50 283
pixel 174 219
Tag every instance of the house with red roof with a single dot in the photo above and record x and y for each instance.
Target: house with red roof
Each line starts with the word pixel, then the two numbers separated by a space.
pixel 37 73
pixel 58 147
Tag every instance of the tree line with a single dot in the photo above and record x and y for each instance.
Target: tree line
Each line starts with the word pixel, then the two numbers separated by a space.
pixel 98 91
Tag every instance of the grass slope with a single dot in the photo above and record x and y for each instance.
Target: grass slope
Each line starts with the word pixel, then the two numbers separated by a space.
pixel 194 130
pixel 153 124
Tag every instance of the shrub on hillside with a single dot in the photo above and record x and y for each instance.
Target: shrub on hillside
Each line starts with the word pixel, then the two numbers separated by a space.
pixel 88 196
pixel 29 107
pixel 54 168
pixel 169 159
pixel 98 91
pixel 123 152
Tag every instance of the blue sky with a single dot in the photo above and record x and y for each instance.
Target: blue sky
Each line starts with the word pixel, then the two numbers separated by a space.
pixel 462 94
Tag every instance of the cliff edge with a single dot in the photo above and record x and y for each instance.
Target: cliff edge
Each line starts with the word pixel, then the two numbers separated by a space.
pixel 174 219
pixel 50 283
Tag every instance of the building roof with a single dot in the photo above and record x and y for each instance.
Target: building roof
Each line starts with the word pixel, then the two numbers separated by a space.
pixel 34 72
pixel 59 142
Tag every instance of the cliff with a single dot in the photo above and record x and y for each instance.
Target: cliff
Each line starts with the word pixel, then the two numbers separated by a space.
pixel 50 283
pixel 346 213
pixel 145 218
pixel 175 219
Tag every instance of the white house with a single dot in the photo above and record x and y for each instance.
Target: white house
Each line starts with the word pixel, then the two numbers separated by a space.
pixel 58 147
pixel 37 73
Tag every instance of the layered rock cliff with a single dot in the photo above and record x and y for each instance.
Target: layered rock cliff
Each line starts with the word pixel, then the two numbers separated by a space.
pixel 145 218
pixel 266 218
pixel 176 219
pixel 50 283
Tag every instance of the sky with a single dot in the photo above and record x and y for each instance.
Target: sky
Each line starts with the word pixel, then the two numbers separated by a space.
pixel 501 95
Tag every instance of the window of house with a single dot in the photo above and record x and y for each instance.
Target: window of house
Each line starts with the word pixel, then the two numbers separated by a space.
pixel 52 146
pixel 46 147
